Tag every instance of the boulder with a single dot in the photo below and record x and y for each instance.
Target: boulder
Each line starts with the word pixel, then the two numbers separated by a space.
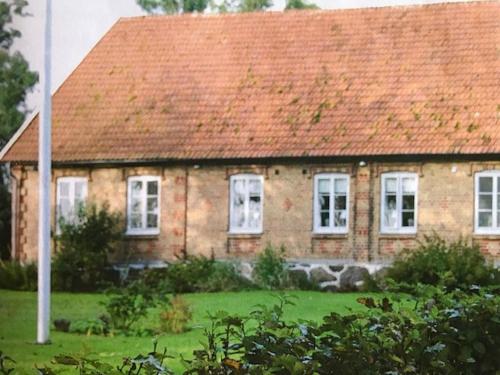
pixel 320 275
pixel 353 275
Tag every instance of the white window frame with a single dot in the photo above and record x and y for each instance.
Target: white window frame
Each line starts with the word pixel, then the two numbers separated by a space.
pixel 246 230
pixel 144 230
pixel 331 229
pixel 494 229
pixel 72 182
pixel 399 203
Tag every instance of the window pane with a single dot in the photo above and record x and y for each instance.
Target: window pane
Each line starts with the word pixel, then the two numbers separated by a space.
pixel 324 185
pixel 65 208
pixel 254 186
pixel 486 184
pixel 391 185
pixel 153 188
pixel 238 201
pixel 485 201
pixel 136 206
pixel 239 187
pixel 485 219
pixel 408 202
pixel 408 219
pixel 136 187
pixel 325 219
pixel 64 189
pixel 135 221
pixel 254 212
pixel 341 185
pixel 340 202
pixel 152 221
pixel 390 215
pixel 324 202
pixel 152 204
pixel 409 185
pixel 340 218
pixel 80 188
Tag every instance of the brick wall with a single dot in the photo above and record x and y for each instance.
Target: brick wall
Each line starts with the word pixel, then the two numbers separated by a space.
pixel 445 205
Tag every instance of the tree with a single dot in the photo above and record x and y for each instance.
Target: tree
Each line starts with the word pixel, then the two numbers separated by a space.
pixel 189 6
pixel 300 4
pixel 15 81
pixel 173 6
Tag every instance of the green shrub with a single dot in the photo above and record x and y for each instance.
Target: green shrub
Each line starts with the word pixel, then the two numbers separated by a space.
pixel 435 262
pixel 225 277
pixel 442 333
pixel 81 262
pixel 99 326
pixel 270 270
pixel 127 305
pixel 196 274
pixel 186 275
pixel 176 316
pixel 143 364
pixel 17 276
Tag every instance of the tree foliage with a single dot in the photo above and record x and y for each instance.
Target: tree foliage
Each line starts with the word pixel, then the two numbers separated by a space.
pixel 173 6
pixel 190 6
pixel 15 81
pixel 300 4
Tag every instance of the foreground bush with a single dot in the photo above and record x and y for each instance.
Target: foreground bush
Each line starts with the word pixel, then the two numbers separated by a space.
pixel 435 262
pixel 443 334
pixel 17 276
pixel 81 262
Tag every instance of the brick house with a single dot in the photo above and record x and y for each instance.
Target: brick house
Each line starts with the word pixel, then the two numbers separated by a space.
pixel 343 135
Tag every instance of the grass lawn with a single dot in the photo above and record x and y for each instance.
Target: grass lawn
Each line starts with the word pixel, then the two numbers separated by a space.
pixel 18 323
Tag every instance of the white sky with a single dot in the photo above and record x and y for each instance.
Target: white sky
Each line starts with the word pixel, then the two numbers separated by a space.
pixel 79 24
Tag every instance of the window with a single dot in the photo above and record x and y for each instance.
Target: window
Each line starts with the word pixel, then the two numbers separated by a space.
pixel 143 208
pixel 246 194
pixel 331 202
pixel 71 196
pixel 399 203
pixel 487 205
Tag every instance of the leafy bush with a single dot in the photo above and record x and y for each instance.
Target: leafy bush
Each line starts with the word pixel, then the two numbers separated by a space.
pixel 196 274
pixel 127 305
pixel 175 318
pixel 187 275
pixel 454 265
pixel 455 333
pixel 99 326
pixel 142 364
pixel 17 276
pixel 270 268
pixel 81 262
pixel 225 277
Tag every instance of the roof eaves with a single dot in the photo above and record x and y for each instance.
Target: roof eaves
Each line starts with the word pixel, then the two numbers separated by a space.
pixel 18 134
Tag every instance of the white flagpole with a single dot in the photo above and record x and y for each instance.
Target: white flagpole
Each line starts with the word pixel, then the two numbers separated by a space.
pixel 44 174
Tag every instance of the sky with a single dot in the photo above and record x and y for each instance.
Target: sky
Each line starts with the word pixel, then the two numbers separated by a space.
pixel 79 24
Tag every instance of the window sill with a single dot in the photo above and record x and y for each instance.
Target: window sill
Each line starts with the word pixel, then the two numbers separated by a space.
pixel 330 235
pixel 142 236
pixel 395 236
pixel 486 236
pixel 244 235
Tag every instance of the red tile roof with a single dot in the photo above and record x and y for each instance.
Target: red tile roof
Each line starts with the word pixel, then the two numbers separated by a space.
pixel 381 81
